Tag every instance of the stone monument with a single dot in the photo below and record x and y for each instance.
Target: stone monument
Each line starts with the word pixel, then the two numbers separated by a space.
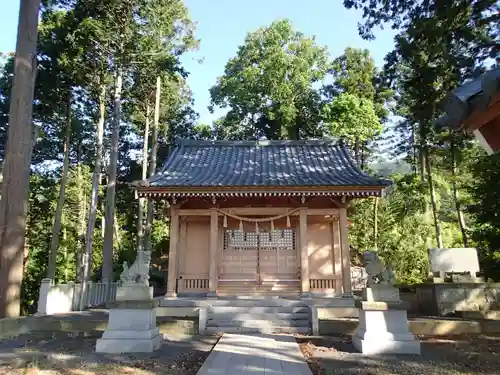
pixel 132 317
pixel 455 265
pixel 383 322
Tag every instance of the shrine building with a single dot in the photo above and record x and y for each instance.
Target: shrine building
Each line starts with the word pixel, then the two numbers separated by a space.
pixel 474 107
pixel 259 218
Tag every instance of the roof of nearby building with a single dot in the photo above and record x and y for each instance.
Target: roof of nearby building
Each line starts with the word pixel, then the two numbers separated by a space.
pixel 261 164
pixel 470 97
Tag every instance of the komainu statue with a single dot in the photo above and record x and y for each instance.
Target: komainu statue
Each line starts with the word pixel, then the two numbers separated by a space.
pixel 138 272
pixel 378 273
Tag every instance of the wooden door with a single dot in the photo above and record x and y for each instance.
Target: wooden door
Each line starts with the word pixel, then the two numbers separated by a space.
pixel 259 257
pixel 278 255
pixel 239 256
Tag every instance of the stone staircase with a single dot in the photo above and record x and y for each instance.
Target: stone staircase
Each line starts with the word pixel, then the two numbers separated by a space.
pixel 259 316
pixel 265 289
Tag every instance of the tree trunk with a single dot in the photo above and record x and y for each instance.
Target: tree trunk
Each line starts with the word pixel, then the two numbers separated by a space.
pixel 356 150
pixel 437 225
pixel 64 246
pixel 94 196
pixel 456 194
pixel 16 166
pixel 140 216
pixel 375 224
pixel 152 165
pixel 107 253
pixel 81 218
pixel 56 227
pixel 422 157
pixel 413 150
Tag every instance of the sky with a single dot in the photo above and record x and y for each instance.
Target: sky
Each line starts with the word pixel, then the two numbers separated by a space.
pixel 223 24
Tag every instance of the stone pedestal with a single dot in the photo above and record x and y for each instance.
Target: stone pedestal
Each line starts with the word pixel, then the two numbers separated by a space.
pixel 134 293
pixel 383 323
pixel 131 327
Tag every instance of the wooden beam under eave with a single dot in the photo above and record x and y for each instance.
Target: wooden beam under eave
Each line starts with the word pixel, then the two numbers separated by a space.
pixel 489 136
pixel 480 118
pixel 267 211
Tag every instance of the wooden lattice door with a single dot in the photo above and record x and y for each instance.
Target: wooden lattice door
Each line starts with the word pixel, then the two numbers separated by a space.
pixel 259 257
pixel 277 255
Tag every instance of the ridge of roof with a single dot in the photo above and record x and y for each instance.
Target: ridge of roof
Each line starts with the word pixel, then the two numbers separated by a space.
pixel 258 142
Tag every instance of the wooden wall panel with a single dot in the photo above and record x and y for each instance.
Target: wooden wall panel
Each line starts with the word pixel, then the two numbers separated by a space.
pixel 196 257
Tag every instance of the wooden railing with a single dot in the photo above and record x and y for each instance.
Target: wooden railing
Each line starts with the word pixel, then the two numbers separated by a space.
pixel 323 285
pixel 193 285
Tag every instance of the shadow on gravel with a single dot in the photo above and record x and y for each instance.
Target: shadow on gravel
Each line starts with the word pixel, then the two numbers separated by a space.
pixel 440 355
pixel 72 354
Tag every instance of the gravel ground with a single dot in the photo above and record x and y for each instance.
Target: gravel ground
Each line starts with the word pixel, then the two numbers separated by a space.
pixel 454 355
pixel 68 354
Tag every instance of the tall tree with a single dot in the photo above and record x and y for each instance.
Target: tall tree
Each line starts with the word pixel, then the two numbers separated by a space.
pixel 152 163
pixel 16 166
pixel 268 86
pixel 472 21
pixel 56 228
pixel 357 83
pixel 353 119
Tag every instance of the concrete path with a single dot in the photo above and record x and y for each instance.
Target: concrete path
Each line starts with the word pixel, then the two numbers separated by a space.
pixel 255 354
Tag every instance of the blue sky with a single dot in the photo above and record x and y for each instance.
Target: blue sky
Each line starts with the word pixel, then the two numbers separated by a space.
pixel 223 25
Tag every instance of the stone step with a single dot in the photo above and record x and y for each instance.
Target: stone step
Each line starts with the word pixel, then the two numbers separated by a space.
pixel 257 302
pixel 258 295
pixel 228 316
pixel 261 286
pixel 257 310
pixel 258 323
pixel 259 289
pixel 269 330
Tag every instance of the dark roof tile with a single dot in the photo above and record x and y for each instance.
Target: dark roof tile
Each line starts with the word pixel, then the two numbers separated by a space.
pixel 261 164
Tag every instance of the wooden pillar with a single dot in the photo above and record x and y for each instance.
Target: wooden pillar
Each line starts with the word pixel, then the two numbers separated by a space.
pixel 336 254
pixel 214 242
pixel 172 255
pixel 346 256
pixel 304 255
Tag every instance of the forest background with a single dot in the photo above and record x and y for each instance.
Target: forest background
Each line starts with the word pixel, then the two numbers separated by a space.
pixel 111 96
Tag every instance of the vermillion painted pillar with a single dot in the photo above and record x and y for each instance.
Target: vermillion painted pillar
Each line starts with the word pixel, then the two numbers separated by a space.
pixel 346 256
pixel 214 230
pixel 304 256
pixel 172 255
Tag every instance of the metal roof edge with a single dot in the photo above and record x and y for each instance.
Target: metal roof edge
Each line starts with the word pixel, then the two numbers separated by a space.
pixel 257 142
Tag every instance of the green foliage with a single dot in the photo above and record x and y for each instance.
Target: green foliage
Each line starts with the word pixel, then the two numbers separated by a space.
pixel 355 73
pixel 274 86
pixel 402 231
pixel 268 86
pixel 43 195
pixel 353 118
pixel 486 212
pixel 475 22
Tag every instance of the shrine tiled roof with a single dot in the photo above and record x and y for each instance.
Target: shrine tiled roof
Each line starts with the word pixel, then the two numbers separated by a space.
pixel 469 97
pixel 262 164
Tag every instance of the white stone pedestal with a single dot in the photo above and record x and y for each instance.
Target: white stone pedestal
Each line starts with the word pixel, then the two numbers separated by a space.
pixel 131 328
pixel 383 325
pixel 134 293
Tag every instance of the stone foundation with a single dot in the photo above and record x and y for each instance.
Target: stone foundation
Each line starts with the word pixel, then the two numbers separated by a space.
pixel 131 327
pixel 383 324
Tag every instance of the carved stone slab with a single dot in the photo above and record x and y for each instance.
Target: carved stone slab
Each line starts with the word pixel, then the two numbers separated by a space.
pixel 454 260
